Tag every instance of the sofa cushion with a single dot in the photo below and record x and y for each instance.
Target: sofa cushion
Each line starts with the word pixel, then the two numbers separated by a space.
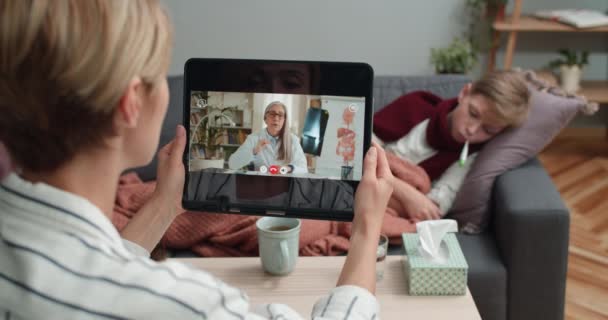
pixel 389 88
pixel 487 275
pixel 386 89
pixel 550 111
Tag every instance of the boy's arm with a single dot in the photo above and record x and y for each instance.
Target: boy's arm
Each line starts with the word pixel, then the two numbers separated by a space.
pixel 411 203
pixel 444 190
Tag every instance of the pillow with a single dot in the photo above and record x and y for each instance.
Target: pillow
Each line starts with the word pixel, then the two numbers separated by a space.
pixel 550 111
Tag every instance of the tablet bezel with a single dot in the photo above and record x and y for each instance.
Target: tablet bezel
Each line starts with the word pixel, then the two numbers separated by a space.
pixel 351 79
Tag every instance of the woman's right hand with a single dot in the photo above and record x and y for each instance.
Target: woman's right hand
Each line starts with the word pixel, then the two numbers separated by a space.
pixel 260 145
pixel 374 190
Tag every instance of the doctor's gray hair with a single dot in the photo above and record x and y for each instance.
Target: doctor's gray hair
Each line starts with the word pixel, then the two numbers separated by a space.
pixel 285 148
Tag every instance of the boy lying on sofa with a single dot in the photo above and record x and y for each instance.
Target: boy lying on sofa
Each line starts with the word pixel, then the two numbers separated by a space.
pixel 428 139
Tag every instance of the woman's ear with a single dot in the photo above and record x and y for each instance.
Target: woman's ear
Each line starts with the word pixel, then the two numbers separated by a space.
pixel 128 111
pixel 466 89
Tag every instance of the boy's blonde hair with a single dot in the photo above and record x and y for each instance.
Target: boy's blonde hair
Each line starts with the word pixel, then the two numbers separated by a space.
pixel 64 65
pixel 508 93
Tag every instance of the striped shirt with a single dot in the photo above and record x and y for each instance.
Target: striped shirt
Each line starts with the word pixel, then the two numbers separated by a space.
pixel 61 258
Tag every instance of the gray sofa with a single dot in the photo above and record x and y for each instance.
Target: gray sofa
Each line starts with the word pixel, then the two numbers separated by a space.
pixel 517 268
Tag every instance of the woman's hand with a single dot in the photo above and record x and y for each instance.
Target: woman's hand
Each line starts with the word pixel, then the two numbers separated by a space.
pixel 147 227
pixel 372 196
pixel 374 190
pixel 260 145
pixel 170 171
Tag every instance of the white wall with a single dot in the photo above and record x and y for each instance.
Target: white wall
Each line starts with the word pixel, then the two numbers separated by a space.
pixel 393 36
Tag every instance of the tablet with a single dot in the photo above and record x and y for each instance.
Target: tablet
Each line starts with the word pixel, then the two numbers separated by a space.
pixel 268 137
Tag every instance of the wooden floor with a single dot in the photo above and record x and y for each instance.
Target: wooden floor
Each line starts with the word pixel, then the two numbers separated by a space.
pixel 579 168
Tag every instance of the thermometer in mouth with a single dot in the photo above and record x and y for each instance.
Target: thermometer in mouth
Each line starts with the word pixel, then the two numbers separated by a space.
pixel 464 154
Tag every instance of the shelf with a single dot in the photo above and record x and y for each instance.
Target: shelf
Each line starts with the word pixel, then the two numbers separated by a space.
pixel 228 127
pixel 528 23
pixel 595 91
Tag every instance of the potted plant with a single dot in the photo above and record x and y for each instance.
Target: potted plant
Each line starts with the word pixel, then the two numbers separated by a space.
pixel 481 16
pixel 458 57
pixel 208 124
pixel 489 9
pixel 570 68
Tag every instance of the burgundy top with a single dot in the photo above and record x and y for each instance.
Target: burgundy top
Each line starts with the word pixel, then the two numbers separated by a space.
pixel 400 116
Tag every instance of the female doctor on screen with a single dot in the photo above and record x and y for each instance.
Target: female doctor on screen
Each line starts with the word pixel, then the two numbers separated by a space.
pixel 274 145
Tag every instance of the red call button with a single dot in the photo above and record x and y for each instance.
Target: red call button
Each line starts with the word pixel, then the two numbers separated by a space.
pixel 274 169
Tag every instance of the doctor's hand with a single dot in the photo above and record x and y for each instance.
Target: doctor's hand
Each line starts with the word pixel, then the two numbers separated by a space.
pixel 261 144
pixel 170 171
pixel 374 190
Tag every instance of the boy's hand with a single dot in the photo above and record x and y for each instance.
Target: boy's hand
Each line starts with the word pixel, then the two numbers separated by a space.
pixel 374 190
pixel 170 172
pixel 420 207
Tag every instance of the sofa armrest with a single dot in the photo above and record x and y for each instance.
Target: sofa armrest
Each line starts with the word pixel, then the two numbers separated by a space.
pixel 532 224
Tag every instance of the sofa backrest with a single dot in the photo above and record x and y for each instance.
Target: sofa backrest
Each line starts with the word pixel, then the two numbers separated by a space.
pixel 389 88
pixel 386 89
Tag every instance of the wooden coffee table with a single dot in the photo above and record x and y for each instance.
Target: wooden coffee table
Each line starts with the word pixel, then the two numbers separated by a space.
pixel 314 277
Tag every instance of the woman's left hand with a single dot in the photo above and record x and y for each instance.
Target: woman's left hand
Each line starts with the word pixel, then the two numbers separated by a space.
pixel 170 172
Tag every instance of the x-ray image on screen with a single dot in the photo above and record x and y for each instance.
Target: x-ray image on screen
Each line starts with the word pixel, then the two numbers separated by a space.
pixel 314 130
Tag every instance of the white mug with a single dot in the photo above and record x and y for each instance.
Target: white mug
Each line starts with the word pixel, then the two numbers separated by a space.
pixel 278 240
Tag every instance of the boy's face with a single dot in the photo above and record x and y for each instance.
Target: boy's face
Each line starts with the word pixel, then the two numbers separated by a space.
pixel 473 119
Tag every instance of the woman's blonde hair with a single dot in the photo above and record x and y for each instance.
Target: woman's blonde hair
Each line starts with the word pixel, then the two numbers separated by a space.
pixel 508 94
pixel 285 148
pixel 64 65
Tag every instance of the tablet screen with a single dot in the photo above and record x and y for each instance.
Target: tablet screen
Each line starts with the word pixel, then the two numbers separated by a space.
pixel 275 137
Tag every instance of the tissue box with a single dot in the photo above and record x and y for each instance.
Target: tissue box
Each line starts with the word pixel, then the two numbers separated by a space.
pixel 428 278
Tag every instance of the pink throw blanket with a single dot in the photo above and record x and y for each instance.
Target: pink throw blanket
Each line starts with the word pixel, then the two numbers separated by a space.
pixel 218 235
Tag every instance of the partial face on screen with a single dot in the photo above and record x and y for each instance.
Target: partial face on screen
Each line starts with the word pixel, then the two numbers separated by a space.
pixel 274 117
pixel 277 77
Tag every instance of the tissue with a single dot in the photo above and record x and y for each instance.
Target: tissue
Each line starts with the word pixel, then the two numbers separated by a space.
pixel 431 234
pixel 434 263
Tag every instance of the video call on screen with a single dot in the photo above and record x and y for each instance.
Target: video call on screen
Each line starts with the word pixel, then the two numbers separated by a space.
pixel 328 130
pixel 284 136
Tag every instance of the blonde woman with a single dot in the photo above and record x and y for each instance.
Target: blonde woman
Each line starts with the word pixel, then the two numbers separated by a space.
pixel 274 145
pixel 83 95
